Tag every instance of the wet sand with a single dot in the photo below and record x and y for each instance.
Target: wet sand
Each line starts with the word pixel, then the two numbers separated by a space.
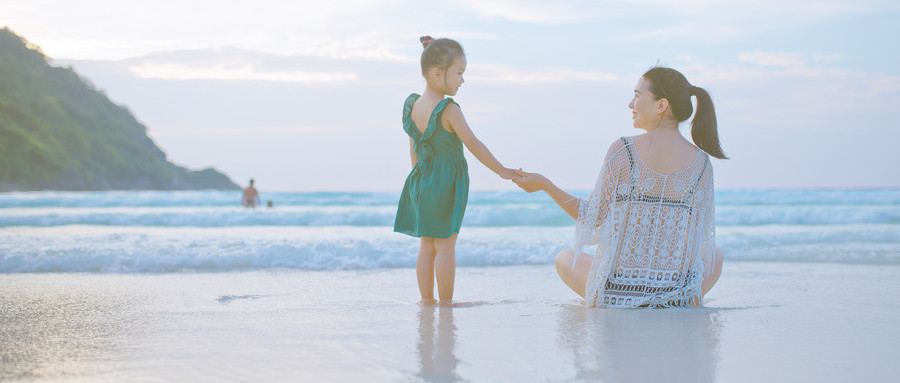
pixel 773 322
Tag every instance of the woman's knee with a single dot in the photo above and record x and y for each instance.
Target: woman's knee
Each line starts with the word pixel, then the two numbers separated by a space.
pixel 720 259
pixel 713 277
pixel 564 259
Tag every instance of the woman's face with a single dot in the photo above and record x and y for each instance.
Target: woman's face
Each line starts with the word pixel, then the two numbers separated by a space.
pixel 644 108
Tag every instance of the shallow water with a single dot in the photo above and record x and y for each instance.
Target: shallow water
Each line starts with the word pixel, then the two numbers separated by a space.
pixel 775 322
pixel 162 232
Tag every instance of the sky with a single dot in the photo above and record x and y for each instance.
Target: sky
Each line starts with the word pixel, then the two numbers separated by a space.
pixel 307 95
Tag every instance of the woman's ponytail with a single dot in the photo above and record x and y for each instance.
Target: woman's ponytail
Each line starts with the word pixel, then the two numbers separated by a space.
pixel 670 84
pixel 703 127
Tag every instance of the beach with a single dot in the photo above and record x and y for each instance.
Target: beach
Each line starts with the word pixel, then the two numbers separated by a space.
pixel 775 322
pixel 189 286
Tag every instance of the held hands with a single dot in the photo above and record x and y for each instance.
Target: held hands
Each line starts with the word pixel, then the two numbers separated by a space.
pixel 509 174
pixel 530 182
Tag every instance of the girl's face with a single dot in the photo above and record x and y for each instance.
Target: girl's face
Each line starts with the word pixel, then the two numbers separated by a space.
pixel 452 79
pixel 645 111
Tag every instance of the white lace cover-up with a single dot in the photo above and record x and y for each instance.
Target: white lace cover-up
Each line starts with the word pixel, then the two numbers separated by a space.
pixel 655 233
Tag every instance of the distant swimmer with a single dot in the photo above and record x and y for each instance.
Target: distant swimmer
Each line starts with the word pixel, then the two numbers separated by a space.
pixel 251 196
pixel 270 204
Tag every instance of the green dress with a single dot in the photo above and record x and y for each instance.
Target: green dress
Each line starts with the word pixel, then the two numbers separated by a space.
pixel 436 191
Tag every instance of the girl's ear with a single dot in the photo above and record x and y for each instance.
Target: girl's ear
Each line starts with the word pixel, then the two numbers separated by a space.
pixel 435 73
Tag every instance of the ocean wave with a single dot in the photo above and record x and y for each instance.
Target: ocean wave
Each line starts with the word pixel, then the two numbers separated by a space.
pixel 806 215
pixel 164 250
pixel 128 249
pixel 498 215
pixel 807 197
pixel 187 199
pixel 218 198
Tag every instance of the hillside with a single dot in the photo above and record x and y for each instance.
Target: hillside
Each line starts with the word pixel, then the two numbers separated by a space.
pixel 59 133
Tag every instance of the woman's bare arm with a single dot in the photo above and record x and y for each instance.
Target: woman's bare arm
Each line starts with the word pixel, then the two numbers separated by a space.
pixel 532 182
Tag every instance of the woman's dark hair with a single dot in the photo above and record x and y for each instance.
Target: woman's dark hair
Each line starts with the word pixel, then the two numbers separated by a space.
pixel 670 84
pixel 439 53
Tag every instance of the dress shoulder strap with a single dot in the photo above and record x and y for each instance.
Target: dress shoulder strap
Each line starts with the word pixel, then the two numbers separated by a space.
pixel 703 170
pixel 630 159
pixel 408 105
pixel 408 125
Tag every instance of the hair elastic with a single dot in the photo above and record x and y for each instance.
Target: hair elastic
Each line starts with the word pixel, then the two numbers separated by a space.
pixel 427 41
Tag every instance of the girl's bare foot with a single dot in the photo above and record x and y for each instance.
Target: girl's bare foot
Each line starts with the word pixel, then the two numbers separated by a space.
pixel 428 302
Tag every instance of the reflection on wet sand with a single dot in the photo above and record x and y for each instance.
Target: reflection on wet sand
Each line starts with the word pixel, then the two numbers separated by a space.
pixel 59 333
pixel 437 361
pixel 611 345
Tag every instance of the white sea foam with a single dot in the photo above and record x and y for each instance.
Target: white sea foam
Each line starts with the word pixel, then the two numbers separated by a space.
pixel 206 231
pixel 523 214
pixel 230 198
pixel 154 249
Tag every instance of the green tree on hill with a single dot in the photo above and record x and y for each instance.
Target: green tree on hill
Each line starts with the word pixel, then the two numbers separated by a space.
pixel 59 133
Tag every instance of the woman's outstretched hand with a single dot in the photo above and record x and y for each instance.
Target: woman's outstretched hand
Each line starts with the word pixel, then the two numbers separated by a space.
pixel 530 182
pixel 509 174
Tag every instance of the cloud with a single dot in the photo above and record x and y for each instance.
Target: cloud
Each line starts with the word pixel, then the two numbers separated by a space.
pixel 708 20
pixel 105 30
pixel 529 11
pixel 827 58
pixel 173 71
pixel 494 73
pixel 728 20
pixel 715 31
pixel 301 130
pixel 792 90
pixel 779 59
pixel 762 68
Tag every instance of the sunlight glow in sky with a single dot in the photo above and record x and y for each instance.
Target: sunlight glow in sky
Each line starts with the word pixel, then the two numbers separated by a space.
pixel 307 95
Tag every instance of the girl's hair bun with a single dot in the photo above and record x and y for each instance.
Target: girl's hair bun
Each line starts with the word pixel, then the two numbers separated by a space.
pixel 425 40
pixel 439 53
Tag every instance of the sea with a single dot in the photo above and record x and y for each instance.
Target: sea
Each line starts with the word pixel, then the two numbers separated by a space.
pixel 209 231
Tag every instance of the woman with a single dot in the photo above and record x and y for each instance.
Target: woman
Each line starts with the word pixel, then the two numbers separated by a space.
pixel 651 212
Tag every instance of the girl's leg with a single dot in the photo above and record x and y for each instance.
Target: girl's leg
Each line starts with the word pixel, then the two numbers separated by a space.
pixel 425 268
pixel 711 280
pixel 576 279
pixel 445 266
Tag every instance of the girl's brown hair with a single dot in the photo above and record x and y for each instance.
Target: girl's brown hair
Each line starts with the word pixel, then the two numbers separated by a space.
pixel 439 53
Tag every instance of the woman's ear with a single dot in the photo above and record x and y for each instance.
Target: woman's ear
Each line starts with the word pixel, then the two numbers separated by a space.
pixel 661 105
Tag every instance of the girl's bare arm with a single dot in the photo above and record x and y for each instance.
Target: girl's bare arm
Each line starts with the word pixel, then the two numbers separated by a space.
pixel 457 123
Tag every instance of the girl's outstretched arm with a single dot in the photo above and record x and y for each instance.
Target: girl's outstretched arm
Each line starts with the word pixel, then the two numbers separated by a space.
pixel 532 182
pixel 457 122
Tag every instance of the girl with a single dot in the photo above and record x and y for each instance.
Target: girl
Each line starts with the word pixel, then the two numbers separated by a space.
pixel 434 196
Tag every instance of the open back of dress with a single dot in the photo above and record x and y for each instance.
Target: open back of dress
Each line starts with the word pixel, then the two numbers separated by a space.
pixel 655 233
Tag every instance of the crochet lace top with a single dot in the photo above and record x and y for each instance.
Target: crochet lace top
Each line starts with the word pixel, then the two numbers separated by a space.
pixel 655 233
